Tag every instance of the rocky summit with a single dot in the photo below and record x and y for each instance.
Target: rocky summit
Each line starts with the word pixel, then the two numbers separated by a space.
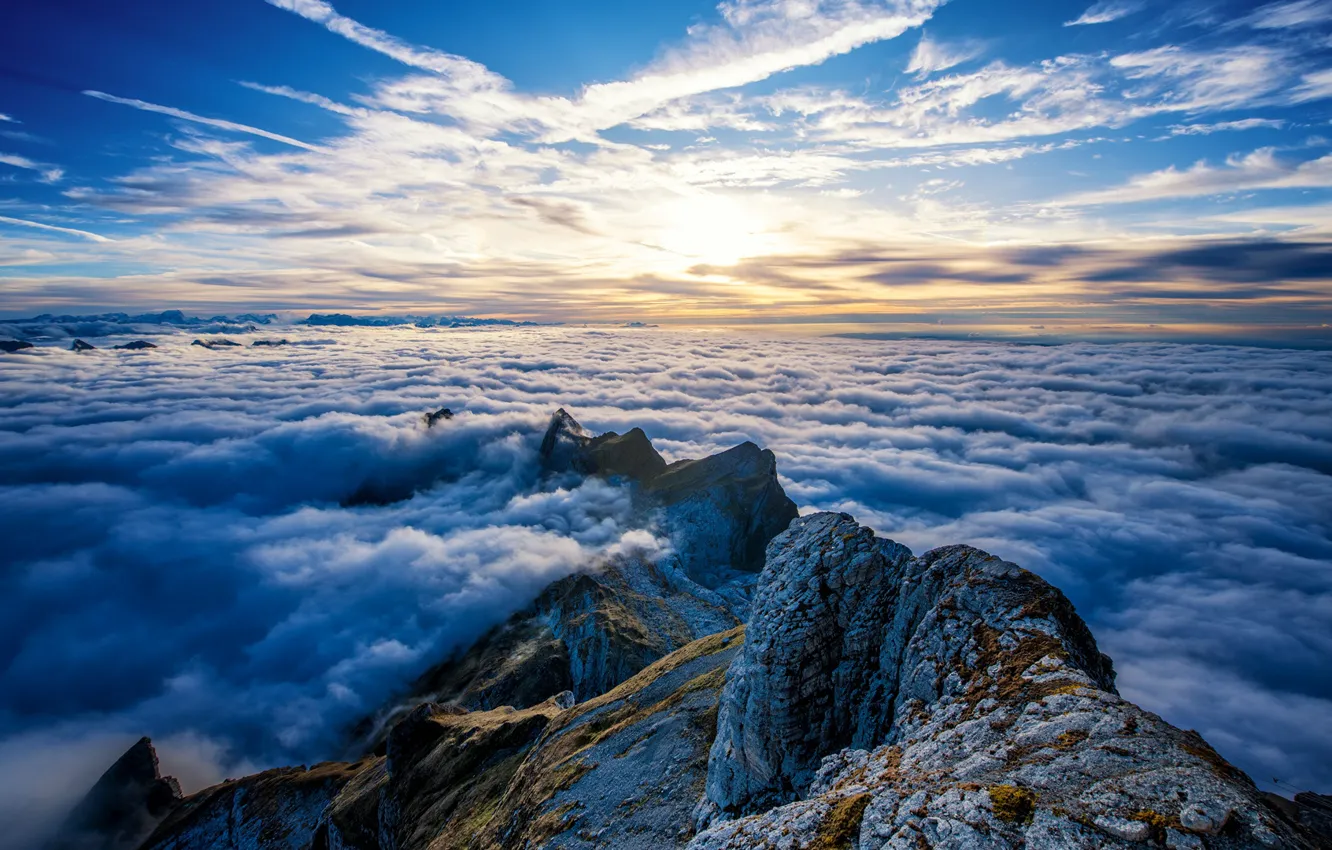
pixel 773 682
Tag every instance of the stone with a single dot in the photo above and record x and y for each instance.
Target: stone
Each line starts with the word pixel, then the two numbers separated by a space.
pixel 435 417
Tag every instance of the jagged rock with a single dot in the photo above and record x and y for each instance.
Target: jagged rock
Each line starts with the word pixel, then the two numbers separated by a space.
pixel 80 345
pixel 620 770
pixel 1312 811
pixel 12 345
pixel 591 631
pixel 270 342
pixel 584 634
pixel 127 802
pixel 136 345
pixel 216 343
pixel 976 711
pixel 719 511
pixel 274 810
pixel 438 416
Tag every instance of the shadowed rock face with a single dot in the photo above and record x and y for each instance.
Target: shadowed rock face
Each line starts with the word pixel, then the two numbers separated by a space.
pixel 719 511
pixel 12 345
pixel 80 345
pixel 136 345
pixel 123 807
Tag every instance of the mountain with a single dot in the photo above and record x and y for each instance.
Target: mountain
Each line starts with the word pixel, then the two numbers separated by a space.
pixel 125 805
pixel 775 682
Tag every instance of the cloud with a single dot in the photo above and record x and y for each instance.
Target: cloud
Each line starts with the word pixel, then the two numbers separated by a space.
pixel 83 234
pixel 1290 15
pixel 1260 169
pixel 1104 12
pixel 930 55
pixel 179 563
pixel 1227 126
pixel 1314 86
pixel 49 173
pixel 8 118
pixel 220 124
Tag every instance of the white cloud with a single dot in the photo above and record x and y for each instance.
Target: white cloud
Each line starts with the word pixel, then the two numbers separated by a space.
pixel 84 234
pixel 8 118
pixel 1227 126
pixel 1258 170
pixel 1314 86
pixel 931 56
pixel 1105 11
pixel 219 123
pixel 1291 15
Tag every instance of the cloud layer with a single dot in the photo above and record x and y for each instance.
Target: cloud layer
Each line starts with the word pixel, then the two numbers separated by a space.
pixel 178 563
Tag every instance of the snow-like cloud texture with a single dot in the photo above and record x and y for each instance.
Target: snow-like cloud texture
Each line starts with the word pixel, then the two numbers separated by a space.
pixel 177 561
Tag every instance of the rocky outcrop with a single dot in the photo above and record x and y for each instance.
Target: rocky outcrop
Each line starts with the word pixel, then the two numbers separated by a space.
pixel 620 770
pixel 274 810
pixel 435 417
pixel 9 346
pixel 80 345
pixel 211 344
pixel 719 511
pixel 591 631
pixel 136 345
pixel 125 805
pixel 584 634
pixel 951 700
pixel 271 343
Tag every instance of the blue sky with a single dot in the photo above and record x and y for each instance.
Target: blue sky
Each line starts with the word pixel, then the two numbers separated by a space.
pixel 762 160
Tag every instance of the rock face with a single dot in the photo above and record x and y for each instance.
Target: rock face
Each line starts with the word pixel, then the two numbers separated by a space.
pixel 719 511
pixel 123 807
pixel 585 634
pixel 951 700
pixel 621 770
pixel 274 810
pixel 136 345
pixel 437 416
pixel 80 345
pixel 11 345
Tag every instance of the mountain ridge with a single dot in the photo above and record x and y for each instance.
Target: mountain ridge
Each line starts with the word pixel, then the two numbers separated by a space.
pixel 835 691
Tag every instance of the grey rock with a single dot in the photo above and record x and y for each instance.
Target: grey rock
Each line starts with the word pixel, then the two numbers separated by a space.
pixel 990 719
pixel 435 417
pixel 274 810
pixel 80 345
pixel 136 345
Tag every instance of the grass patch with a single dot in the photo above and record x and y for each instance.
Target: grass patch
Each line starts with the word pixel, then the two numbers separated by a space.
pixel 1012 804
pixel 841 826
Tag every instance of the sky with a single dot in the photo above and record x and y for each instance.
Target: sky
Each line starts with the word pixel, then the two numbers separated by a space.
pixel 1121 164
pixel 178 561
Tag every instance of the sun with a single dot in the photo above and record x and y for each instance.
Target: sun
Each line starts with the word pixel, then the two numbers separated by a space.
pixel 714 229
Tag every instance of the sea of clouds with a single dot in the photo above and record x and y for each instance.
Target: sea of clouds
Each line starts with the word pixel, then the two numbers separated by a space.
pixel 177 560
